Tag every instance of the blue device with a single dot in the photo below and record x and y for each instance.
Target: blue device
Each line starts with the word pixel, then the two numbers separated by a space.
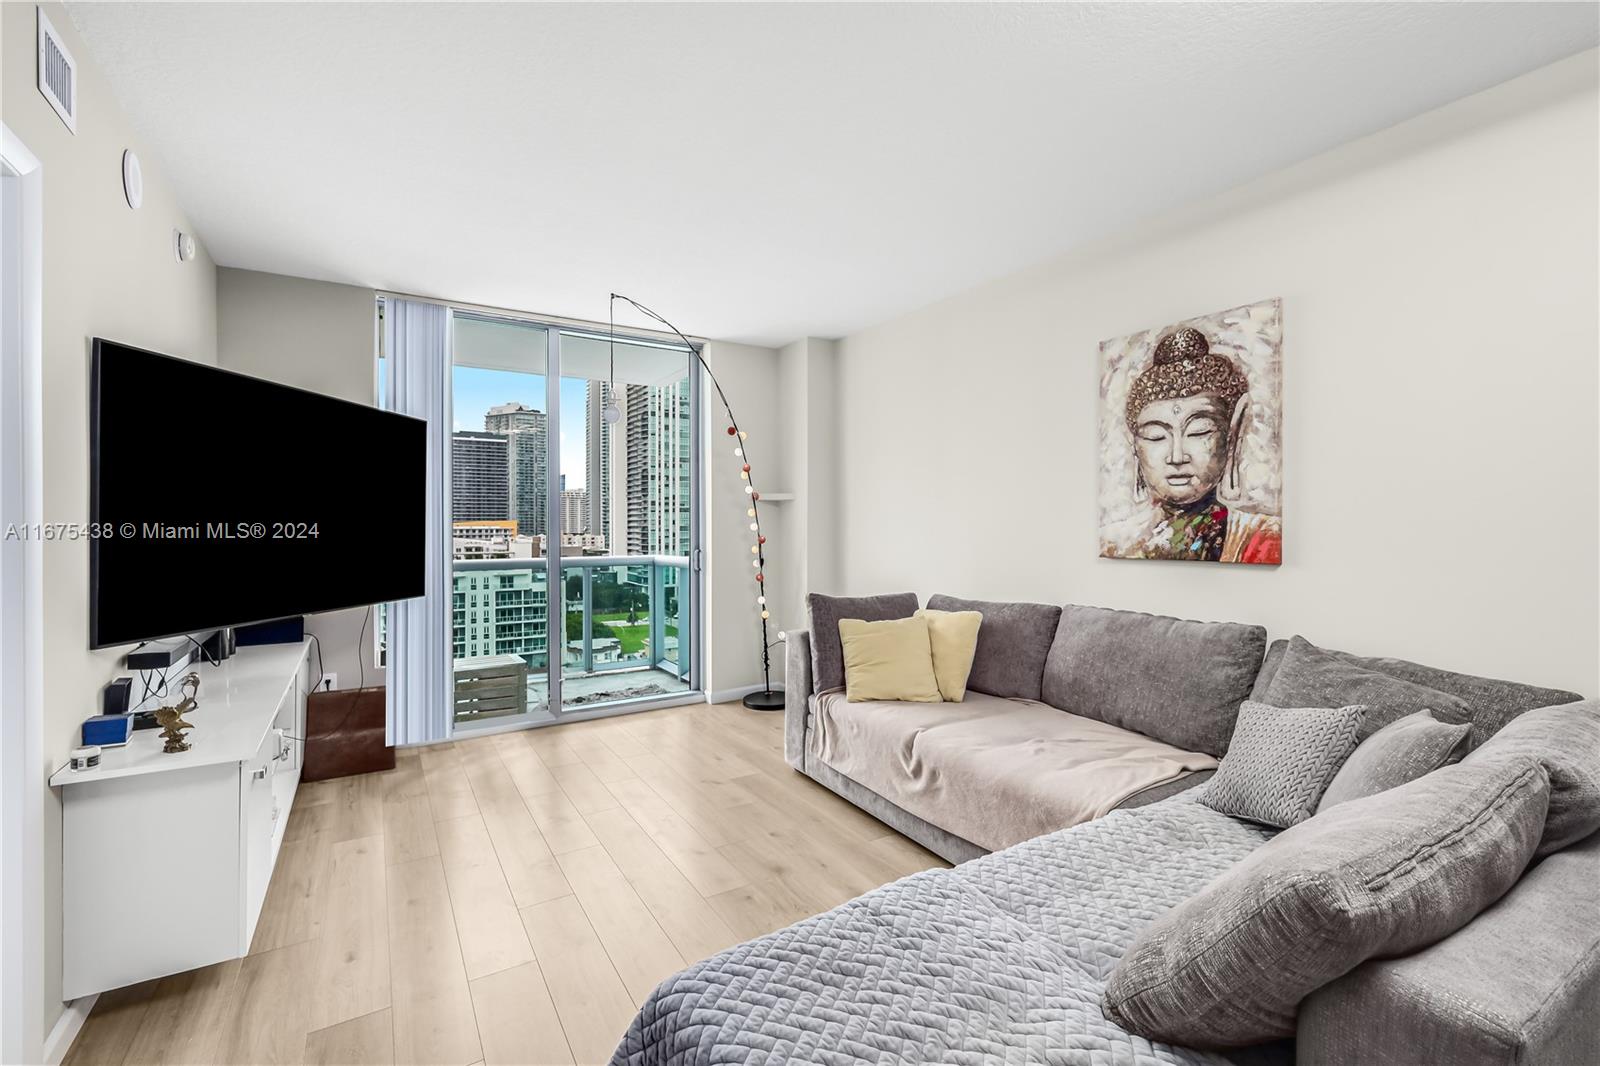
pixel 107 730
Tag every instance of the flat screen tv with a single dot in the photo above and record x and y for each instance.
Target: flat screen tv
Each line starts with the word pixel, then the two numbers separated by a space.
pixel 220 499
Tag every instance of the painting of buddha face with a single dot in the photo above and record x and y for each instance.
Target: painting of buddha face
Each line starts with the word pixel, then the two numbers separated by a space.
pixel 1190 440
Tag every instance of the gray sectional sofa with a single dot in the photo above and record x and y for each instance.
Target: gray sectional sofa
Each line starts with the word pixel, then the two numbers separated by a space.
pixel 1007 957
pixel 1175 683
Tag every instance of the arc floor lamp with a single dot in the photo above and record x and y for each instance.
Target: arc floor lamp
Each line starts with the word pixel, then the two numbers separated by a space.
pixel 768 699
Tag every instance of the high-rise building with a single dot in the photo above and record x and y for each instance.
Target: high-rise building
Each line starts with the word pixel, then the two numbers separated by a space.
pixel 500 612
pixel 574 511
pixel 597 460
pixel 658 469
pixel 525 430
pixel 479 482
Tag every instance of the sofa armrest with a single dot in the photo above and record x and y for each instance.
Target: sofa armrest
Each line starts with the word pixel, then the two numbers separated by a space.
pixel 796 696
pixel 1520 984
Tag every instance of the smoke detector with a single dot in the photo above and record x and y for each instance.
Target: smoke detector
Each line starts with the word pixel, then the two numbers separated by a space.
pixel 132 179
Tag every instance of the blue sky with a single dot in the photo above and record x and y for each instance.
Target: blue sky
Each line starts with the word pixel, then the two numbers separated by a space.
pixel 476 390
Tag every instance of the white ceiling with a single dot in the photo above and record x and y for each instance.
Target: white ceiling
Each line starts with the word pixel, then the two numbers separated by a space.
pixel 755 172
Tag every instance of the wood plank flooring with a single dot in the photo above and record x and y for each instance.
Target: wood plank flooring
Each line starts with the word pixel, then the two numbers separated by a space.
pixel 512 899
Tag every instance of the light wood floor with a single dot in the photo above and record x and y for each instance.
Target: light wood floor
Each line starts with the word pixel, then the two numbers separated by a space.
pixel 512 899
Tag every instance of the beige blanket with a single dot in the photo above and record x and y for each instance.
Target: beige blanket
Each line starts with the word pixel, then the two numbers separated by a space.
pixel 993 771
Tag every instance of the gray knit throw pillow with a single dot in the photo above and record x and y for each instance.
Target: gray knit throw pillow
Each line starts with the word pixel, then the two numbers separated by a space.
pixel 1280 761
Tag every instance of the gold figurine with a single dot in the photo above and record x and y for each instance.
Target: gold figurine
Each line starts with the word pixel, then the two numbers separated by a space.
pixel 171 718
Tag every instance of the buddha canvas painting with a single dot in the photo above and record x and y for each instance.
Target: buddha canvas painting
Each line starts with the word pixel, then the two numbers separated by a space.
pixel 1191 439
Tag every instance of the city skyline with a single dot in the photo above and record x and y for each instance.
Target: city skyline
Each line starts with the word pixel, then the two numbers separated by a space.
pixel 477 389
pixel 497 462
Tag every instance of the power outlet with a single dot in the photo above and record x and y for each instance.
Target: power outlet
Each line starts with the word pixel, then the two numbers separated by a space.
pixel 329 682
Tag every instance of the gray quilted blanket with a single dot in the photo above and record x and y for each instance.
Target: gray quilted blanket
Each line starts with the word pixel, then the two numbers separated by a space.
pixel 1000 960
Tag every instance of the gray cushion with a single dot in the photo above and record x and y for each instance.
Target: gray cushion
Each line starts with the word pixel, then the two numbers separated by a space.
pixel 1493 703
pixel 1566 741
pixel 1281 760
pixel 1310 677
pixel 827 654
pixel 1012 644
pixel 1375 877
pixel 1399 752
pixel 1269 670
pixel 1519 986
pixel 1175 680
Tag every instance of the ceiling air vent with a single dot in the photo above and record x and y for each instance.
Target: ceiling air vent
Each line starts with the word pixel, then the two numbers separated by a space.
pixel 58 73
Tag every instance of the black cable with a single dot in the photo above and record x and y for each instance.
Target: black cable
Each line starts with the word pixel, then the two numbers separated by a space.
pixel 148 688
pixel 213 660
pixel 361 667
pixel 321 673
pixel 361 640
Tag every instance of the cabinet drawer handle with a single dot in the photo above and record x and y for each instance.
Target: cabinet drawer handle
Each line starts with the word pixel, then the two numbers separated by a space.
pixel 259 773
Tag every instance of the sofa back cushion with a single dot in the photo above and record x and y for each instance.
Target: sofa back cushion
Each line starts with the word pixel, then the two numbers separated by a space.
pixel 1399 752
pixel 1175 680
pixel 1307 676
pixel 1373 878
pixel 1566 742
pixel 1012 644
pixel 1493 702
pixel 827 655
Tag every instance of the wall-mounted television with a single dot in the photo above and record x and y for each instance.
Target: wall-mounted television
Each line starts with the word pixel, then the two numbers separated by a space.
pixel 220 499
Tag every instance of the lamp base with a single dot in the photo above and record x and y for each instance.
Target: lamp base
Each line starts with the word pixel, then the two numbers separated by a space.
pixel 769 700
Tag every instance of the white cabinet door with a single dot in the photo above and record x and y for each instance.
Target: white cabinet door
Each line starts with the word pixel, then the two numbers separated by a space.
pixel 287 754
pixel 150 871
pixel 260 805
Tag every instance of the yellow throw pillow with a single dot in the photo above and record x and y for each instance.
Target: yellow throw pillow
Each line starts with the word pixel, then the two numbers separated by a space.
pixel 888 661
pixel 953 637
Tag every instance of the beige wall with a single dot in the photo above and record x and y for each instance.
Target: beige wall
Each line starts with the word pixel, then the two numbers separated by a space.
pixel 807 383
pixel 315 335
pixel 108 271
pixel 749 375
pixel 1440 302
pixel 311 334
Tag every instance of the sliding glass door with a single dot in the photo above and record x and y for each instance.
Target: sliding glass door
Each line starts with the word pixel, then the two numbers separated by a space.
pixel 573 533
pixel 628 534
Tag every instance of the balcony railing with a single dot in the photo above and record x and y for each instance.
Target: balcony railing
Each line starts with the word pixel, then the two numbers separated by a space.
pixel 620 613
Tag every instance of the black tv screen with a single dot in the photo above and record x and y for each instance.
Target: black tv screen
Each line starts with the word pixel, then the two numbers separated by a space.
pixel 219 499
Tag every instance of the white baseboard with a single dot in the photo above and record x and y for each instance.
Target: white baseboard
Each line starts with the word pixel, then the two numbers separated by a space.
pixel 727 695
pixel 65 1031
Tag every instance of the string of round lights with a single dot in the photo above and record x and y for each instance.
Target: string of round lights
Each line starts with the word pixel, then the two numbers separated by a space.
pixel 767 699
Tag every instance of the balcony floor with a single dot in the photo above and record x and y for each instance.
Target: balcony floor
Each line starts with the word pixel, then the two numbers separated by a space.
pixel 590 691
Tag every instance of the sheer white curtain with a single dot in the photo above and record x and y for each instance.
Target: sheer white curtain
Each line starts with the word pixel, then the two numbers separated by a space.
pixel 421 691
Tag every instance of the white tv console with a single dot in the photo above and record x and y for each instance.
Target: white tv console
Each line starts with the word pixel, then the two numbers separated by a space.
pixel 166 858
